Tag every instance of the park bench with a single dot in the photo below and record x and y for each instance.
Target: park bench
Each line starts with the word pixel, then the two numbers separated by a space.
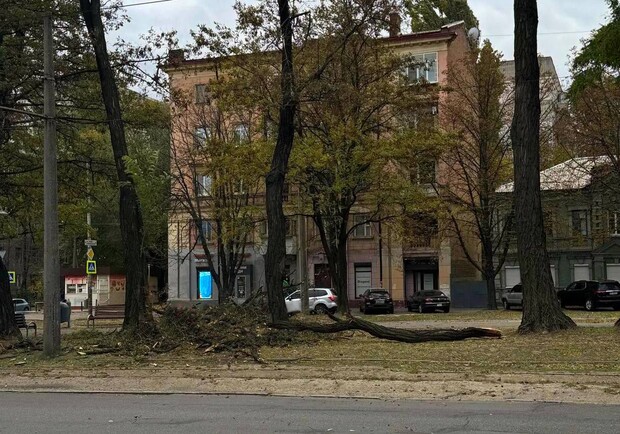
pixel 106 311
pixel 20 320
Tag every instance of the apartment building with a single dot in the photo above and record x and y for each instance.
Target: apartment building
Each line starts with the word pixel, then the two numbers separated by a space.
pixel 377 256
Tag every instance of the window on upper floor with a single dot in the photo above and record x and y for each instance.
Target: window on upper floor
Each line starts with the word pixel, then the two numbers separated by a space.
pixel 291 226
pixel 201 135
pixel 363 227
pixel 423 68
pixel 614 223
pixel 202 93
pixel 424 172
pixel 204 184
pixel 241 133
pixel 206 230
pixel 579 222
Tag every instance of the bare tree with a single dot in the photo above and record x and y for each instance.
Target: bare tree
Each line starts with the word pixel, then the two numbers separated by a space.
pixel 218 162
pixel 476 111
pixel 541 309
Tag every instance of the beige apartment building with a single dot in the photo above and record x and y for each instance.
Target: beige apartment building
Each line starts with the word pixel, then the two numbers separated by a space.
pixel 376 255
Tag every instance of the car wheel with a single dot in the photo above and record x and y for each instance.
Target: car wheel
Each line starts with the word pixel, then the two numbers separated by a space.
pixel 589 305
pixel 410 308
pixel 361 308
pixel 506 304
pixel 320 309
pixel 616 307
pixel 446 310
pixel 562 303
pixel 26 309
pixel 420 308
pixel 391 310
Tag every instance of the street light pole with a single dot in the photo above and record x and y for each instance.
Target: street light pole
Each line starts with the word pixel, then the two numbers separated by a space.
pixel 51 260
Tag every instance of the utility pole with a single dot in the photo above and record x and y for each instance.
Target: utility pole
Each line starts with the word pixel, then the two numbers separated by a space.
pixel 51 260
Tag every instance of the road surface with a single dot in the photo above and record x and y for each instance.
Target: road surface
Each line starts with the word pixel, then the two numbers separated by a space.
pixel 70 413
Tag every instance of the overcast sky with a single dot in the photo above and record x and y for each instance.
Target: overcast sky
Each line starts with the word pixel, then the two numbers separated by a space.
pixel 568 20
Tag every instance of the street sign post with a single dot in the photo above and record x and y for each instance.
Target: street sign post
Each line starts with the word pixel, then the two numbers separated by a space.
pixel 91 267
pixel 12 278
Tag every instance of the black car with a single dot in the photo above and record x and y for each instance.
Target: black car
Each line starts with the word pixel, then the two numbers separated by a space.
pixel 376 300
pixel 428 300
pixel 591 294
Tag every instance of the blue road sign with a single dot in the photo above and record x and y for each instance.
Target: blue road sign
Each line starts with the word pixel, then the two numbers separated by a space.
pixel 91 267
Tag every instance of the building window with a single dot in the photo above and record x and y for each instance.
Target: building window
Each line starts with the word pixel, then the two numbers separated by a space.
pixel 203 96
pixel 424 172
pixel 241 133
pixel 423 68
pixel 291 226
pixel 614 223
pixel 362 227
pixel 71 289
pixel 201 135
pixel 579 222
pixel 204 183
pixel 206 230
pixel 363 278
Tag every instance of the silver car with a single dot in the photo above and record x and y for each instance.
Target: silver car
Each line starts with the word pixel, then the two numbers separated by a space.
pixel 320 300
pixel 20 305
pixel 513 297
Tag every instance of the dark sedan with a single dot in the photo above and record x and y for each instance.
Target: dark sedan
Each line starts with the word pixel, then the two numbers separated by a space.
pixel 376 300
pixel 591 294
pixel 428 301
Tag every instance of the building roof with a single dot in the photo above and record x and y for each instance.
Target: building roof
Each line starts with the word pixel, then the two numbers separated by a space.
pixel 573 174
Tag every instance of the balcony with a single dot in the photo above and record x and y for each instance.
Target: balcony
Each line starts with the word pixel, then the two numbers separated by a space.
pixel 421 245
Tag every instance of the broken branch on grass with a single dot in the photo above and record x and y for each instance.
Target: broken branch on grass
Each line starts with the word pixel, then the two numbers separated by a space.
pixel 400 335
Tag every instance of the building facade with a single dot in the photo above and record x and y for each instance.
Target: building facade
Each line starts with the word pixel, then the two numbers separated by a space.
pixel 581 208
pixel 378 256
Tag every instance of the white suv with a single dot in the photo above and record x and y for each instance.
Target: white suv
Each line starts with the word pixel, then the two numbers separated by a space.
pixel 320 300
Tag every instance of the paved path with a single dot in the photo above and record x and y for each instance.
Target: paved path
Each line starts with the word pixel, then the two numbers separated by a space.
pixel 96 413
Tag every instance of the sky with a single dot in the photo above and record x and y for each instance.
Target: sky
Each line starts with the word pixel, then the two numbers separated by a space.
pixel 562 23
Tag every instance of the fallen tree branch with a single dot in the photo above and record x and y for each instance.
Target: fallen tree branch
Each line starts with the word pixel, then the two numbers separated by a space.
pixel 394 334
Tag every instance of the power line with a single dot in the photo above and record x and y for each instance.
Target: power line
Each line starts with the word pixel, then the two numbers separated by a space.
pixel 138 4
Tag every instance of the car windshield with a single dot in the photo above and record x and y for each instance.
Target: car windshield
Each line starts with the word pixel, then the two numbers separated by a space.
pixel 432 293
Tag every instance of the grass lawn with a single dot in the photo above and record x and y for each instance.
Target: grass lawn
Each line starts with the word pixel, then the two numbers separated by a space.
pixel 599 316
pixel 584 350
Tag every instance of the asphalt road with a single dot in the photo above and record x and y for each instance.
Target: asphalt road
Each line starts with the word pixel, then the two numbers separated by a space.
pixel 69 413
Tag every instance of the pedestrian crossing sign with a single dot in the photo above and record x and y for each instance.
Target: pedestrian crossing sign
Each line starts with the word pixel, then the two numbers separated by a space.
pixel 91 267
pixel 12 278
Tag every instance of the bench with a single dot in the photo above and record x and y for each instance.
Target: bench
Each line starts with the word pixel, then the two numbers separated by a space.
pixel 20 320
pixel 106 311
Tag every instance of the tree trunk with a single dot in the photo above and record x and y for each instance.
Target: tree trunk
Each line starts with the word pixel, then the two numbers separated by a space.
pixel 393 334
pixel 276 247
pixel 131 225
pixel 541 309
pixel 338 271
pixel 8 327
pixel 489 275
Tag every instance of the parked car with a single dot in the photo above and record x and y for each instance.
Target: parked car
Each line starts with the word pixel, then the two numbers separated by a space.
pixel 20 305
pixel 376 300
pixel 320 300
pixel 591 294
pixel 428 301
pixel 513 297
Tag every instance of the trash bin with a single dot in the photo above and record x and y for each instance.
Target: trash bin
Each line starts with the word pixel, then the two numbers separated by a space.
pixel 65 313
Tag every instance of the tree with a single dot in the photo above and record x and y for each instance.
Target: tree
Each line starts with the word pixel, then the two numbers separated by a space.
pixel 131 223
pixel 476 111
pixel 599 56
pixel 351 135
pixel 541 309
pixel 218 164
pixel 432 14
